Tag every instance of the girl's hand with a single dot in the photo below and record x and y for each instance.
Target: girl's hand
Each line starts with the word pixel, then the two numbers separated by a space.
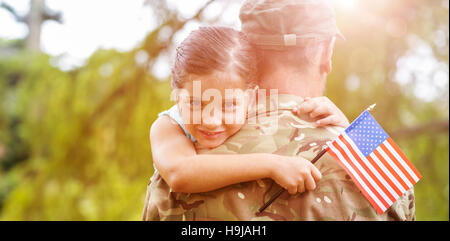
pixel 295 174
pixel 323 111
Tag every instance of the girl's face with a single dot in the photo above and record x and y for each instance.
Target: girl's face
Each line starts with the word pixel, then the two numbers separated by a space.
pixel 213 107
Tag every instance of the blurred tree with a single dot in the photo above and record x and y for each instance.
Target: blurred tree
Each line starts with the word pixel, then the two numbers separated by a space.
pixel 37 15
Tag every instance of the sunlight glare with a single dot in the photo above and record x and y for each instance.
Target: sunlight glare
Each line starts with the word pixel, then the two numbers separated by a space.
pixel 345 4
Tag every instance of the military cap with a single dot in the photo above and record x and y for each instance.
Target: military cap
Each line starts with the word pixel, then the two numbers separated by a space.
pixel 277 24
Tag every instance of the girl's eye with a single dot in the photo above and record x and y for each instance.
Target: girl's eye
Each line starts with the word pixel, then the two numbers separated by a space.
pixel 196 104
pixel 230 105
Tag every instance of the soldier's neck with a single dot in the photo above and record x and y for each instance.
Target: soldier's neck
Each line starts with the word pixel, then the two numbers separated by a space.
pixel 287 81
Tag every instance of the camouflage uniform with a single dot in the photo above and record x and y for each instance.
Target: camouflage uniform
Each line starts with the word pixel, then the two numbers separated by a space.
pixel 335 198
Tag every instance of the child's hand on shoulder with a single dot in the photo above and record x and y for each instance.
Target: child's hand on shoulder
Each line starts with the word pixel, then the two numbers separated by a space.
pixel 323 111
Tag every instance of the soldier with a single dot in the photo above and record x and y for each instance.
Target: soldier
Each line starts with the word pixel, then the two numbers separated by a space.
pixel 295 40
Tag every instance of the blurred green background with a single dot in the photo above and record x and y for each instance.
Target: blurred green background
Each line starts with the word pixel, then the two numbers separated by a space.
pixel 74 133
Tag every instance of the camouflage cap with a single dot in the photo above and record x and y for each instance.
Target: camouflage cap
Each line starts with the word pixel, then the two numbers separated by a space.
pixel 276 24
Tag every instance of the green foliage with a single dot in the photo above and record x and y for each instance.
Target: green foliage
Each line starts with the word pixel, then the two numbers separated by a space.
pixel 88 158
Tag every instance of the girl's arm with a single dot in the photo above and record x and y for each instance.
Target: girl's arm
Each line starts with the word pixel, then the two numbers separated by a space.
pixel 184 171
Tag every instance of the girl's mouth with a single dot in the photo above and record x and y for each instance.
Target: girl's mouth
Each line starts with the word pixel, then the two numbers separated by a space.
pixel 211 135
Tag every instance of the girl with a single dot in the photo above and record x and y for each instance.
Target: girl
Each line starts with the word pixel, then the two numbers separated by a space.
pixel 216 59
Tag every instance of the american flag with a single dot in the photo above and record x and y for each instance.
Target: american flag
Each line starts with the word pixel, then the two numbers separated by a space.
pixel 374 162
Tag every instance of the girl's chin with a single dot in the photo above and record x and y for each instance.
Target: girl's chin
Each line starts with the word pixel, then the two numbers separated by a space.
pixel 210 144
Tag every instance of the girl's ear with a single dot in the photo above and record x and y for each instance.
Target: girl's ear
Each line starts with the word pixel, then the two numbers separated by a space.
pixel 174 95
pixel 179 96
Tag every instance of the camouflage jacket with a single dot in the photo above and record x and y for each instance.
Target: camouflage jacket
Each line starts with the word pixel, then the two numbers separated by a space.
pixel 335 198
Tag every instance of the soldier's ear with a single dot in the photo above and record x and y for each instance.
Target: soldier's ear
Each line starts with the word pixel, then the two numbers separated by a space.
pixel 251 92
pixel 325 65
pixel 255 90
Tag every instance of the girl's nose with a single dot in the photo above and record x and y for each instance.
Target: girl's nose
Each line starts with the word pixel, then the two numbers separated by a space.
pixel 213 121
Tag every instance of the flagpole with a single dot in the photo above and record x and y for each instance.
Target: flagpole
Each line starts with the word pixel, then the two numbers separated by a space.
pixel 281 191
pixel 371 107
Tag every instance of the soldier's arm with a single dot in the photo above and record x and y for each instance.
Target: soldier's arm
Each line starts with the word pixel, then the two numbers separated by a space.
pixel 184 171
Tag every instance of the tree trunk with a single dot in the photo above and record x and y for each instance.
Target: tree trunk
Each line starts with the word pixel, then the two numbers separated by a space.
pixel 35 19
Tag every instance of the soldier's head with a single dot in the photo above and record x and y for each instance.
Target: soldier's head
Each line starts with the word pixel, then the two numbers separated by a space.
pixel 213 73
pixel 291 36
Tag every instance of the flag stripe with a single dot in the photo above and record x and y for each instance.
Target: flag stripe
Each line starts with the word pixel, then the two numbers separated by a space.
pixel 397 162
pixel 369 169
pixel 402 162
pixel 361 178
pixel 332 151
pixel 370 179
pixel 388 173
pixel 375 169
pixel 398 151
pixel 391 170
pixel 396 192
pixel 395 167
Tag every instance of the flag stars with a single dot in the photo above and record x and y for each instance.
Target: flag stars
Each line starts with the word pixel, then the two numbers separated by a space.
pixel 366 133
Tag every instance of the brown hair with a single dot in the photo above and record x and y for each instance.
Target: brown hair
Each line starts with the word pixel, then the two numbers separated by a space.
pixel 211 49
